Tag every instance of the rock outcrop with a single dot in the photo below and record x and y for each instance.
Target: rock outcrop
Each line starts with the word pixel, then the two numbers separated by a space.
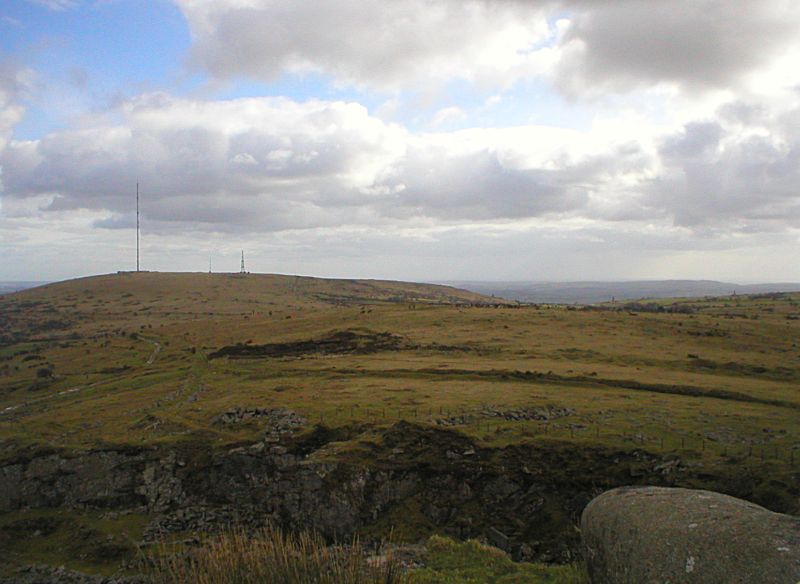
pixel 525 498
pixel 653 535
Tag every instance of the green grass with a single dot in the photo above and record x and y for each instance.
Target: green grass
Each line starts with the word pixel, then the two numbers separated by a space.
pixel 471 562
pixel 86 541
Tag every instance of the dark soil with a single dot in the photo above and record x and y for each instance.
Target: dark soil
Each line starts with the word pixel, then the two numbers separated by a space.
pixel 337 343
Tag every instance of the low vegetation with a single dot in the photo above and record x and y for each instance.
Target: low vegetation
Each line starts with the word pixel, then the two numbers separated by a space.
pixel 272 556
pixel 471 562
pixel 236 557
pixel 704 390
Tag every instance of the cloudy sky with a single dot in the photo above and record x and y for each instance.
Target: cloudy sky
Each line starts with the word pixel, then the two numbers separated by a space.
pixel 406 139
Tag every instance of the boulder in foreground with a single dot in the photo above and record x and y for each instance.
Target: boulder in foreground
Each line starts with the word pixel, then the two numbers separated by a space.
pixel 654 535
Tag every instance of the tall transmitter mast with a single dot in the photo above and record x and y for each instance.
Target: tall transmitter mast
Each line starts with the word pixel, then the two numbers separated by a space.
pixel 137 226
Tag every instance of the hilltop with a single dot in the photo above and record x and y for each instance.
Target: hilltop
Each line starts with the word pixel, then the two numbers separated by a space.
pixel 143 403
pixel 240 289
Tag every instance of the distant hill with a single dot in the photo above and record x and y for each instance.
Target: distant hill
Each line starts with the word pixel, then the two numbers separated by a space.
pixel 594 292
pixel 9 287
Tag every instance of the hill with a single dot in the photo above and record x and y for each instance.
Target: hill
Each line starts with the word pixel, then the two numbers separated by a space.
pixel 596 292
pixel 133 405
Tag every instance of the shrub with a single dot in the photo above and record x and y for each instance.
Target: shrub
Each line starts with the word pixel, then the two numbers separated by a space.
pixel 270 555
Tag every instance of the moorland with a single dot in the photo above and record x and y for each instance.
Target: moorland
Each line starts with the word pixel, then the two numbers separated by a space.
pixel 139 406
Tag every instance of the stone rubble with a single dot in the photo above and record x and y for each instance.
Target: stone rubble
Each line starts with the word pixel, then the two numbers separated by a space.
pixel 546 413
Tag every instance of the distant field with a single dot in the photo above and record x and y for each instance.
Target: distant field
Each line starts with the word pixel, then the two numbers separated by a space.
pixel 155 359
pixel 9 287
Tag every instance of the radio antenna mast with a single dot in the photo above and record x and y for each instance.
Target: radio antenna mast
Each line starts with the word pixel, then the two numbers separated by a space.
pixel 241 269
pixel 137 226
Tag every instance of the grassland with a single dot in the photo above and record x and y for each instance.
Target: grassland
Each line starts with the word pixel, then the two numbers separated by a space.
pixel 129 359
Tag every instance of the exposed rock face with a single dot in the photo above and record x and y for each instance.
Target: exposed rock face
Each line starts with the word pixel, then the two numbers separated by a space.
pixel 101 478
pixel 653 535
pixel 525 497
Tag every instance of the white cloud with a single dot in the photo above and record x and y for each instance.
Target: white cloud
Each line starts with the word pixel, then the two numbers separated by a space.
pixel 14 82
pixel 588 47
pixel 448 114
pixel 372 43
pixel 56 5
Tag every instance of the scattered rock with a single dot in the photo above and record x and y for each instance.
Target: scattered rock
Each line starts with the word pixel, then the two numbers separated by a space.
pixel 546 413
pixel 498 539
pixel 278 422
pixel 461 420
pixel 655 534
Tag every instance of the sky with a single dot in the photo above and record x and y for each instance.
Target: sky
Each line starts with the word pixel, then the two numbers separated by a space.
pixel 424 140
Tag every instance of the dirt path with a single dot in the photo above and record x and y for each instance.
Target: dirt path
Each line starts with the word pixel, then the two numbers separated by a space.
pixel 156 351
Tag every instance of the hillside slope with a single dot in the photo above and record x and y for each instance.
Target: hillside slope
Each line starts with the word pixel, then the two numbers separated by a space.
pixel 139 404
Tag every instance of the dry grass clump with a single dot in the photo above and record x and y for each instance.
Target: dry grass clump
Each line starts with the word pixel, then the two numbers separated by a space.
pixel 271 556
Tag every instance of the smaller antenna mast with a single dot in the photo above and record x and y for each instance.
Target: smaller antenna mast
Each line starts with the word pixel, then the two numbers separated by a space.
pixel 137 226
pixel 241 269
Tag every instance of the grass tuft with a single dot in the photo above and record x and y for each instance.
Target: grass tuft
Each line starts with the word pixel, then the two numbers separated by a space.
pixel 271 556
pixel 471 562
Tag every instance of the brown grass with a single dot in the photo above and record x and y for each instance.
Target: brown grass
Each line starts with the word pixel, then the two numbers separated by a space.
pixel 271 556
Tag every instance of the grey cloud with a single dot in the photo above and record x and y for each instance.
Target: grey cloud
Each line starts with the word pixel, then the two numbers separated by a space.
pixel 697 44
pixel 475 186
pixel 697 139
pixel 478 186
pixel 748 183
pixel 263 161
